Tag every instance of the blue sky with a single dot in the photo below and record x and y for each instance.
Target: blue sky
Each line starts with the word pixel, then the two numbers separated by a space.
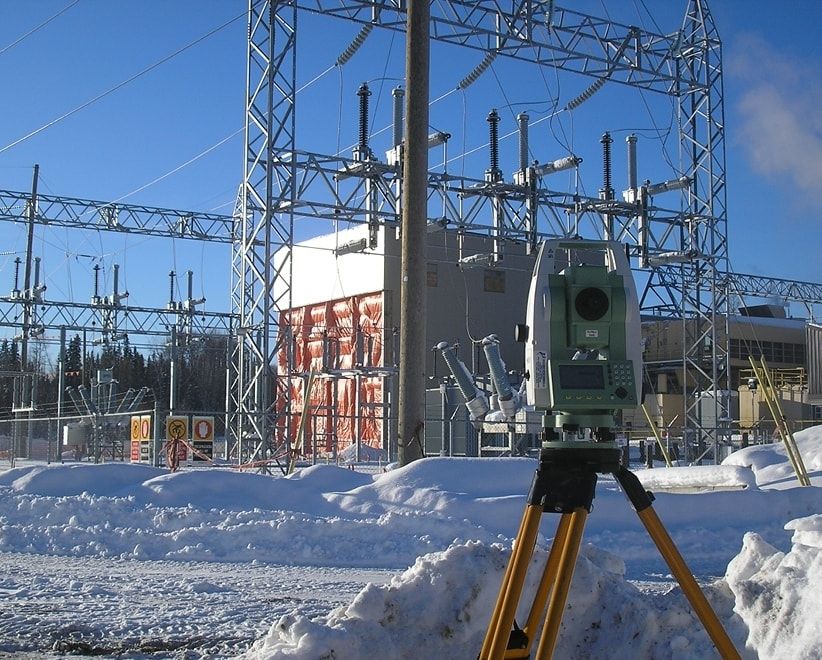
pixel 149 127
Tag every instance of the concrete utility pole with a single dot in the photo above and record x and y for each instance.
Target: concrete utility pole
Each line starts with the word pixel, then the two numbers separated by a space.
pixel 27 382
pixel 414 221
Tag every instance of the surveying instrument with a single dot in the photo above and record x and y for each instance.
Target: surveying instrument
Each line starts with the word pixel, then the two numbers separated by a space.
pixel 583 358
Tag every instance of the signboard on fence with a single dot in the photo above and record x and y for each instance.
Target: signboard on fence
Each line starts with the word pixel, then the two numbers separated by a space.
pixel 140 438
pixel 145 438
pixel 135 438
pixel 202 438
pixel 177 431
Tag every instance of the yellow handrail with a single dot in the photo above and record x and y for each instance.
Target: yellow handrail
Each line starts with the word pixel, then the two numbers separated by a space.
pixel 772 401
pixel 655 431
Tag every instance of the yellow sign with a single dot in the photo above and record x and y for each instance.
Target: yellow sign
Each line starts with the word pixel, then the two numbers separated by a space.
pixel 145 427
pixel 203 428
pixel 176 427
pixel 135 428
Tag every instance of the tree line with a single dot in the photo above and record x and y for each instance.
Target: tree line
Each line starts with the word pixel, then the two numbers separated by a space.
pixel 200 371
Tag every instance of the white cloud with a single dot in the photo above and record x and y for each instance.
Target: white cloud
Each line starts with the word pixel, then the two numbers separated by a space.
pixel 778 113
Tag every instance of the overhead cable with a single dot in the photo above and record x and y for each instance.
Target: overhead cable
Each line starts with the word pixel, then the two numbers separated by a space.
pixel 179 167
pixel 38 27
pixel 118 86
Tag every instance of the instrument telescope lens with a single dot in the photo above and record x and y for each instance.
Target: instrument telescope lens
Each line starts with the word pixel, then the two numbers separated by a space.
pixel 591 303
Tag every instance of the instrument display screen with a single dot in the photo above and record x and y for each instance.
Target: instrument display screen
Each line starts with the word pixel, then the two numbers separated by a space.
pixel 581 377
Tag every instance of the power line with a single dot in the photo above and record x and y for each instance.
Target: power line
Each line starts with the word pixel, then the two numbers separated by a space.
pixel 204 152
pixel 38 27
pixel 118 86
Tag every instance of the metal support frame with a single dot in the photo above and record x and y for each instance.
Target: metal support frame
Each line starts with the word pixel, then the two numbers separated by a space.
pixel 59 211
pixel 32 313
pixel 693 289
pixel 685 65
pixel 265 224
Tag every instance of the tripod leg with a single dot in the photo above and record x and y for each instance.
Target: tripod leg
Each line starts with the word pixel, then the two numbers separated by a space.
pixel 565 572
pixel 521 557
pixel 641 501
pixel 549 576
pixel 506 581
pixel 689 585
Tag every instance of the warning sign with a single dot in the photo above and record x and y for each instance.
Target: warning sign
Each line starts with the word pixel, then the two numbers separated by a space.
pixel 145 427
pixel 177 435
pixel 202 438
pixel 135 439
pixel 176 427
pixel 203 428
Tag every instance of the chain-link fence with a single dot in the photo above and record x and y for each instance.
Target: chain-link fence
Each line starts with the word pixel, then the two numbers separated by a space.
pixel 96 438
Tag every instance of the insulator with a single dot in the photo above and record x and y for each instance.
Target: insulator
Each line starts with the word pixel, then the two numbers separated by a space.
pixel 116 287
pixel 558 165
pixel 549 14
pixel 475 400
pixel 364 93
pixel 97 280
pixel 354 46
pixel 588 93
pixel 490 345
pixel 493 139
pixel 606 164
pixel 398 93
pixel 17 263
pixel 477 70
pixel 522 120
pixel 170 288
pixel 632 176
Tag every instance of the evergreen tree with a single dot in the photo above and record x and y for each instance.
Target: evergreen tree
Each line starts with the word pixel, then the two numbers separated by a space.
pixel 74 361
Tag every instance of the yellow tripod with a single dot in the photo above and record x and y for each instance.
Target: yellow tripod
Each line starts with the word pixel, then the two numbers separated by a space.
pixel 565 483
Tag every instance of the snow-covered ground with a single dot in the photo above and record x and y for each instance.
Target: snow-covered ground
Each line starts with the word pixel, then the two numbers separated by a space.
pixel 129 560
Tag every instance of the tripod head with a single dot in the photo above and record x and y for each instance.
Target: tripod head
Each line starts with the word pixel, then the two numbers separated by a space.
pixel 583 352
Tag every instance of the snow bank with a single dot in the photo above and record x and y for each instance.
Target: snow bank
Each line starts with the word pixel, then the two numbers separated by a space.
pixel 770 463
pixel 768 602
pixel 697 478
pixel 452 520
pixel 777 594
pixel 439 608
pixel 325 515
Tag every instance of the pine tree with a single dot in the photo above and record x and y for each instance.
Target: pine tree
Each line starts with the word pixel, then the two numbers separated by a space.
pixel 74 361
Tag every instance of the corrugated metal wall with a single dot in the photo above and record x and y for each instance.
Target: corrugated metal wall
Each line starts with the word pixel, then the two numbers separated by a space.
pixel 814 353
pixel 337 336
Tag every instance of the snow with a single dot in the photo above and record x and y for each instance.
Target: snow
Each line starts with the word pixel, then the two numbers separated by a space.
pixel 332 562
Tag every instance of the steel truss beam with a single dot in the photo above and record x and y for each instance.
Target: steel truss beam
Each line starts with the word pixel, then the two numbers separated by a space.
pixel 113 319
pixel 536 32
pixel 694 289
pixel 112 322
pixel 334 188
pixel 739 284
pixel 112 216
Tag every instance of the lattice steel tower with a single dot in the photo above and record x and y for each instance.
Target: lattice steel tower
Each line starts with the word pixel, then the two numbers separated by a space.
pixel 685 250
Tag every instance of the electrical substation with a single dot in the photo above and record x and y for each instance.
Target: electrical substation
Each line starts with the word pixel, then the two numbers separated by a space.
pixel 311 341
